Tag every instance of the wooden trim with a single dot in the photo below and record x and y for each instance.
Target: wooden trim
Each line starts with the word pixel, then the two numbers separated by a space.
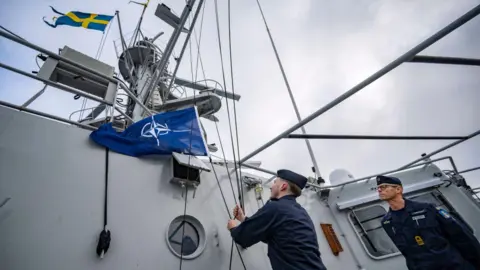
pixel 332 238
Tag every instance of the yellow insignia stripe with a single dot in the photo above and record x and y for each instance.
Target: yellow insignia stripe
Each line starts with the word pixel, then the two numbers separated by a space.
pixel 85 22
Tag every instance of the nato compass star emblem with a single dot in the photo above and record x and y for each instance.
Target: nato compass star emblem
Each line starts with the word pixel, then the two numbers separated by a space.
pixel 155 130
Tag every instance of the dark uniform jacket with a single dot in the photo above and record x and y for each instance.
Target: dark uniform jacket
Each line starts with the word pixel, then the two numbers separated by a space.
pixel 431 239
pixel 289 232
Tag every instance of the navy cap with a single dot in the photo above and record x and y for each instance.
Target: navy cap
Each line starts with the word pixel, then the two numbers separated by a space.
pixel 292 177
pixel 381 179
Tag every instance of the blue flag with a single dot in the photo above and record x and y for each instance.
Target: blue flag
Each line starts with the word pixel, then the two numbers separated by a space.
pixel 161 134
pixel 80 19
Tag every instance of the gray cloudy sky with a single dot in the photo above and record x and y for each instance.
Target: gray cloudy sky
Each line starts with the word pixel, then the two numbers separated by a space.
pixel 326 48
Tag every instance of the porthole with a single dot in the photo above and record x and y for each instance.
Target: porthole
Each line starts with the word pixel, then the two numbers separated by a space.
pixel 189 231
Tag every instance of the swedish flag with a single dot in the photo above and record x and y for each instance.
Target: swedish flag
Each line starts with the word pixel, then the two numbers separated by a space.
pixel 81 19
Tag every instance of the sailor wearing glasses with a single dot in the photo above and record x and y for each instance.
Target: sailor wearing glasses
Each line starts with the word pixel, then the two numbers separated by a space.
pixel 428 237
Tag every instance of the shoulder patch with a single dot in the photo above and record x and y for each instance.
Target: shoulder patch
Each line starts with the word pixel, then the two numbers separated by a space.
pixel 443 213
pixel 386 219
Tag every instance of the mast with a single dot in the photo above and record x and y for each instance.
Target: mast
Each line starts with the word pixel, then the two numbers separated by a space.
pixel 143 64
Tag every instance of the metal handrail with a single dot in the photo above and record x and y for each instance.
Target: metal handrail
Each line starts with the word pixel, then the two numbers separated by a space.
pixel 476 133
pixel 83 110
pixel 363 178
pixel 469 170
pixel 394 171
pixel 50 116
pixel 394 64
pixel 54 55
pixel 54 84
pixel 68 61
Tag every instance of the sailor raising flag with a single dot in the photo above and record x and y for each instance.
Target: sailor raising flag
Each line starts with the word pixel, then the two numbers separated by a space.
pixel 80 19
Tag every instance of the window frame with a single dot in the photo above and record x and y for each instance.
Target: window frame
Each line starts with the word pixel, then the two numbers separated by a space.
pixel 351 212
pixel 198 228
pixel 449 207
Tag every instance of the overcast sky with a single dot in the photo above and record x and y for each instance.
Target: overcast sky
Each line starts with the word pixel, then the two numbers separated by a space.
pixel 326 47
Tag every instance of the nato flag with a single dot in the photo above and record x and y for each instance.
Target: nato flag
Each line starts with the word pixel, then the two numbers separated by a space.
pixel 161 134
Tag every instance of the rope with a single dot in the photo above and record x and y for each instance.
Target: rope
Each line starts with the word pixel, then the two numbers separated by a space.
pixel 101 45
pixel 229 123
pixel 225 162
pixel 225 89
pixel 186 191
pixel 240 189
pixel 100 50
pixel 104 238
pixel 229 215
pixel 221 147
pixel 198 42
pixel 183 222
pixel 189 160
pixel 199 59
pixel 191 56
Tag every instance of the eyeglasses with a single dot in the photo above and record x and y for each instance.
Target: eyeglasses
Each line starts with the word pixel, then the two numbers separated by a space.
pixel 383 187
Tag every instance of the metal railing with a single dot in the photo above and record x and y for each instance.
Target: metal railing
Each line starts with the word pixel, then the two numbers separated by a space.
pixel 69 89
pixel 406 57
pixel 84 111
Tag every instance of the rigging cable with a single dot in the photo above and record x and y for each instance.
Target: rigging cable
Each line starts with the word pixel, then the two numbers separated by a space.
pixel 186 190
pixel 228 212
pixel 226 164
pixel 198 41
pixel 97 56
pixel 316 170
pixel 240 188
pixel 184 215
pixel 230 127
pixel 190 147
pixel 226 100
pixel 199 59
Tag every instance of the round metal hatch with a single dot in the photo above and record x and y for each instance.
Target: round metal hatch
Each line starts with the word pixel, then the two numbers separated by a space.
pixel 189 231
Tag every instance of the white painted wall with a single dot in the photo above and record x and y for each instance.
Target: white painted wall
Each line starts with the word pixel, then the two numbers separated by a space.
pixel 54 176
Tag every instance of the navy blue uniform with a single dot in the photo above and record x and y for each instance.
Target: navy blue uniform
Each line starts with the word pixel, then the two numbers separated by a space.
pixel 431 239
pixel 289 232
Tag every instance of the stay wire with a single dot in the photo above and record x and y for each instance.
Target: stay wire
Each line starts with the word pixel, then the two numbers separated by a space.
pixel 189 160
pixel 186 189
pixel 97 56
pixel 229 120
pixel 183 224
pixel 225 161
pixel 198 42
pixel 199 59
pixel 240 188
pixel 225 88
pixel 100 51
pixel 228 212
